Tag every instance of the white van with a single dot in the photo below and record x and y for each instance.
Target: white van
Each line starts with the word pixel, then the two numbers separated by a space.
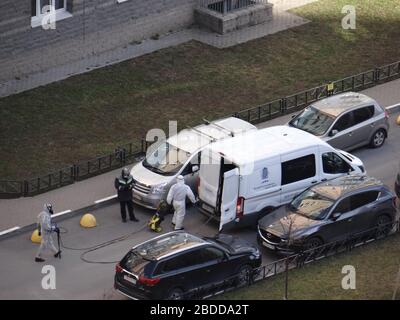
pixel 179 155
pixel 244 178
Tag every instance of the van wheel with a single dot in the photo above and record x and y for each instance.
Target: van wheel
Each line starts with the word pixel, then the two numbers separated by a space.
pixel 378 138
pixel 175 294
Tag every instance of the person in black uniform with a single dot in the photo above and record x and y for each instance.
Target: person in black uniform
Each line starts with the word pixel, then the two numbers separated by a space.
pixel 124 185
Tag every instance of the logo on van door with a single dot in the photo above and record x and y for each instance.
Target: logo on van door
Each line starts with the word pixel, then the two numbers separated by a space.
pixel 264 174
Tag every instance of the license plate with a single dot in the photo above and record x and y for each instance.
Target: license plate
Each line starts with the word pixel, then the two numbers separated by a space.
pixel 269 246
pixel 129 279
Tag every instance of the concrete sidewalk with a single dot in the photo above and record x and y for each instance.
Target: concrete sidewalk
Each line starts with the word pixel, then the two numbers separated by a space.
pixel 282 20
pixel 23 211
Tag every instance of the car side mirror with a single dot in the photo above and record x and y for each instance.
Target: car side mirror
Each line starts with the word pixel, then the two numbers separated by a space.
pixel 335 216
pixel 195 169
pixel 334 132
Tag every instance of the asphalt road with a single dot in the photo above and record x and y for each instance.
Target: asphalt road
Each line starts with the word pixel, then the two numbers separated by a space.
pixel 21 277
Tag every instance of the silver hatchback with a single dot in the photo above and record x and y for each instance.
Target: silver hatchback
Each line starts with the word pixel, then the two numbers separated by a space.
pixel 346 121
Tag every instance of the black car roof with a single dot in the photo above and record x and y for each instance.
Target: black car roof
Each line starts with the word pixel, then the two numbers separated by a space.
pixel 168 244
pixel 343 185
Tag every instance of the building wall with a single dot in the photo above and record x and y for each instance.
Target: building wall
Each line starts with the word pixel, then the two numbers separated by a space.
pixel 96 26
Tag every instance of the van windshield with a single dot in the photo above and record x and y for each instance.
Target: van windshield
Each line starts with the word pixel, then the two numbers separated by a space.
pixel 311 205
pixel 166 159
pixel 313 121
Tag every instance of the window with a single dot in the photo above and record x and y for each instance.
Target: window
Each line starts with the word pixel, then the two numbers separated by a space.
pixel 210 254
pixel 41 8
pixel 344 122
pixel 333 164
pixel 363 114
pixel 356 201
pixel 363 199
pixel 177 263
pixel 312 120
pixel 343 206
pixel 298 169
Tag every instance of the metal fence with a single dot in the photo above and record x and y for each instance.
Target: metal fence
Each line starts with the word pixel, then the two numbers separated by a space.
pixel 298 260
pixel 127 154
pixel 122 155
pixel 227 6
pixel 302 99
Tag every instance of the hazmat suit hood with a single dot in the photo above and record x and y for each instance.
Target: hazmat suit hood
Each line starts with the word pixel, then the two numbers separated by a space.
pixel 180 180
pixel 48 208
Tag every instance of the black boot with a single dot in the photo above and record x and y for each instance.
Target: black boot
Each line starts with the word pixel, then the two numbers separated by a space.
pixel 58 254
pixel 37 259
pixel 134 219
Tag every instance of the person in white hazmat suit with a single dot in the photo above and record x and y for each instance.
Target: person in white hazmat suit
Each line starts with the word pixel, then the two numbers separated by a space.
pixel 46 228
pixel 177 197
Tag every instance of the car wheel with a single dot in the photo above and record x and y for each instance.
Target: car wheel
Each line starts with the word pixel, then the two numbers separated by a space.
pixel 244 275
pixel 378 138
pixel 313 243
pixel 383 226
pixel 175 294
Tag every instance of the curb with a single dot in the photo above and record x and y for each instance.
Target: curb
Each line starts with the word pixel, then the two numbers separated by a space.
pixel 393 108
pixel 60 216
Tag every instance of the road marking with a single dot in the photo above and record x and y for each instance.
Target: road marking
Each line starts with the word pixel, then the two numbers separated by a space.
pixel 105 199
pixel 9 230
pixel 60 213
pixel 393 108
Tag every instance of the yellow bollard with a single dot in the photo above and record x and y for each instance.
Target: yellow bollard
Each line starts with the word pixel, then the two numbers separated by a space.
pixel 35 238
pixel 88 221
pixel 398 120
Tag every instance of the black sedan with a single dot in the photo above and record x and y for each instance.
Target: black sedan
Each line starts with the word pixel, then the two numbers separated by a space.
pixel 176 264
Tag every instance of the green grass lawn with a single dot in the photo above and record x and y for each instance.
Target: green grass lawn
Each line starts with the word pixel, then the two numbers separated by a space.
pixel 89 114
pixel 377 265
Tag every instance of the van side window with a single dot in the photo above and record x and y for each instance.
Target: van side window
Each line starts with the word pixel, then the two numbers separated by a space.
pixel 344 122
pixel 298 169
pixel 363 114
pixel 333 164
pixel 194 162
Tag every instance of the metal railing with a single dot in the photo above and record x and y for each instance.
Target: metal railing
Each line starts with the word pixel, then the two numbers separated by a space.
pixel 122 155
pixel 302 99
pixel 227 6
pixel 298 260
pixel 267 111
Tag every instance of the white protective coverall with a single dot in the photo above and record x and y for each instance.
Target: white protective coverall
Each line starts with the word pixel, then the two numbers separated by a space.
pixel 46 229
pixel 177 196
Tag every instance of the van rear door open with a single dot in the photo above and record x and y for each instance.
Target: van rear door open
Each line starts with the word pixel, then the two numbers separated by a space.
pixel 230 192
pixel 209 178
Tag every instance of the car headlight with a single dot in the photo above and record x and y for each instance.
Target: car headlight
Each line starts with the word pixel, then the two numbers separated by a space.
pixel 255 255
pixel 159 188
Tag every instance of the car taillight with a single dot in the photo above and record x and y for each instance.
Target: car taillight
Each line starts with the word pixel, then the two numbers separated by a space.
pixel 386 114
pixel 239 207
pixel 118 268
pixel 148 281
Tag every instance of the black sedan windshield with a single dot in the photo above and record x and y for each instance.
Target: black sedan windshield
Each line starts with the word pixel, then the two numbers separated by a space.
pixel 313 121
pixel 311 205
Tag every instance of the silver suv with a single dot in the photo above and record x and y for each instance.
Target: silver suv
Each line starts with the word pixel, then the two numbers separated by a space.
pixel 346 121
